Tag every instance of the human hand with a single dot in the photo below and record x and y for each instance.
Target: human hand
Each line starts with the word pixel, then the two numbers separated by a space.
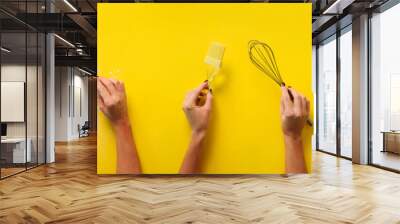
pixel 112 100
pixel 198 115
pixel 294 112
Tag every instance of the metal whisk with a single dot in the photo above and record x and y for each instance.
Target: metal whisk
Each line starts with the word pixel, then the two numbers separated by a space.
pixel 262 56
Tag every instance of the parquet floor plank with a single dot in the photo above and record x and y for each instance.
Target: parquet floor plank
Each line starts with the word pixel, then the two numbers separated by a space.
pixel 70 191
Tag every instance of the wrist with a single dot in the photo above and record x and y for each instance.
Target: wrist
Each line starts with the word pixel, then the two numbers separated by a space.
pixel 292 140
pixel 292 137
pixel 198 135
pixel 121 125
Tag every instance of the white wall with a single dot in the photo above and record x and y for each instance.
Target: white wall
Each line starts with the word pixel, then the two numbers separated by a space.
pixel 80 102
pixel 61 103
pixel 9 73
pixel 16 73
pixel 71 94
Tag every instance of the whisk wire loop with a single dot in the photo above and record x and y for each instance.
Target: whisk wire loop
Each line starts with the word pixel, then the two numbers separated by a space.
pixel 262 56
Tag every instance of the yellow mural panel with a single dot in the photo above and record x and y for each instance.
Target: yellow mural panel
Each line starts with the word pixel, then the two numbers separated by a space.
pixel 158 50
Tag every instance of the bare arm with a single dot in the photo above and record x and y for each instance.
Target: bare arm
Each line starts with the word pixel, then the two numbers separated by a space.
pixel 198 117
pixel 191 161
pixel 112 102
pixel 294 113
pixel 127 157
pixel 294 156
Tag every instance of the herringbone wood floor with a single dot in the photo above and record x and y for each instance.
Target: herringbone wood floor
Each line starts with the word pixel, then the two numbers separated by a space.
pixel 69 191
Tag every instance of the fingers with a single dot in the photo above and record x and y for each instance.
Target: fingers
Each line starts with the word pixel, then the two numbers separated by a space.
pixel 301 103
pixel 297 102
pixel 118 84
pixel 121 86
pixel 108 84
pixel 286 101
pixel 191 97
pixel 111 95
pixel 100 103
pixel 187 104
pixel 102 91
pixel 305 105
pixel 113 81
pixel 208 104
pixel 196 92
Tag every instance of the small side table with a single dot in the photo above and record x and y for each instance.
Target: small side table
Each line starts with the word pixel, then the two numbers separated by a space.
pixel 391 141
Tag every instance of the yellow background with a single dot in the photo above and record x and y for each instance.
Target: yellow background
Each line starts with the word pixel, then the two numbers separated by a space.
pixel 159 50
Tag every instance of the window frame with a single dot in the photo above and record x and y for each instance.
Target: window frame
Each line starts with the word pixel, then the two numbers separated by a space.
pixel 381 9
pixel 336 38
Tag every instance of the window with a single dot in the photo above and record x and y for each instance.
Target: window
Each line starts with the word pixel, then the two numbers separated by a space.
pixel 385 89
pixel 346 93
pixel 335 73
pixel 327 96
pixel 22 78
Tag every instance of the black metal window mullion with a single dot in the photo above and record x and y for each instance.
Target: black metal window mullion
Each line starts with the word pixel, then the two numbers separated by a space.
pixel 37 91
pixel 44 72
pixel 69 92
pixel 338 76
pixel 45 95
pixel 26 86
pixel 316 97
pixel 0 96
pixel 73 92
pixel 369 90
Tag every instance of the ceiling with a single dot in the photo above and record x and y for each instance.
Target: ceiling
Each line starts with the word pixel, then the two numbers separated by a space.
pixel 76 22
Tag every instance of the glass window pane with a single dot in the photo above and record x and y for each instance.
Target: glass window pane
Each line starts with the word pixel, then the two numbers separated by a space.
pixel 385 88
pixel 14 153
pixel 314 87
pixel 327 96
pixel 23 87
pixel 346 94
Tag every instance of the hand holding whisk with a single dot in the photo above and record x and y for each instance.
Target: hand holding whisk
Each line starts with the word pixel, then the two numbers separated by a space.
pixel 262 56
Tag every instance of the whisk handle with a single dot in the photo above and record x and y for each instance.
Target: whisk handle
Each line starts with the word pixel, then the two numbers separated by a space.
pixel 309 122
pixel 290 95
